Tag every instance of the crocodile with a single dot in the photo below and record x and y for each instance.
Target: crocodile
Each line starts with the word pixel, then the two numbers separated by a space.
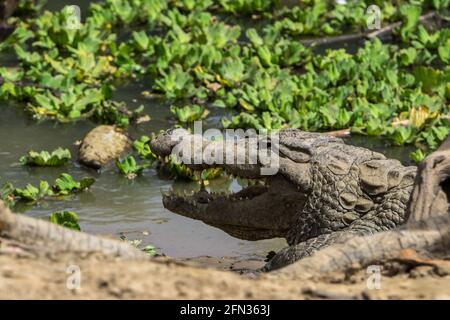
pixel 324 191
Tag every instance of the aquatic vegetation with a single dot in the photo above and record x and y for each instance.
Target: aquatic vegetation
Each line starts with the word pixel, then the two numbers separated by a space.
pixel 7 194
pixel 142 146
pixel 169 166
pixel 31 194
pixel 248 6
pixel 129 167
pixel 58 157
pixel 178 170
pixel 63 73
pixel 148 249
pixel 430 137
pixel 67 219
pixel 189 113
pixel 66 184
pixel 194 50
pixel 63 186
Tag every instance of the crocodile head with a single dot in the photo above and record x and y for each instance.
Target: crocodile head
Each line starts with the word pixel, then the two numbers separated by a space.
pixel 266 208
pixel 320 184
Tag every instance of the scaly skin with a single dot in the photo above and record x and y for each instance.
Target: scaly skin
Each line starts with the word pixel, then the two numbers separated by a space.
pixel 324 192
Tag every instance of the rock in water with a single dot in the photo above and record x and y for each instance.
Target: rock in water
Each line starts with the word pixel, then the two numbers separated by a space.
pixel 102 145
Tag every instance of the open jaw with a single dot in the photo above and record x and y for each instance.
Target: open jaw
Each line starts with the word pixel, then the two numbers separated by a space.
pixel 262 210
pixel 259 211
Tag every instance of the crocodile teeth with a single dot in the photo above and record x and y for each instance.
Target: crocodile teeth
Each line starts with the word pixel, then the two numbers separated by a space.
pixel 261 182
pixel 166 193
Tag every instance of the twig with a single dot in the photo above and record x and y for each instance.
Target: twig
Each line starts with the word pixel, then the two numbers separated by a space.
pixel 395 124
pixel 365 35
pixel 389 28
pixel 332 40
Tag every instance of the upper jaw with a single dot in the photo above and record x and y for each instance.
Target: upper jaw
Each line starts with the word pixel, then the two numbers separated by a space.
pixel 247 157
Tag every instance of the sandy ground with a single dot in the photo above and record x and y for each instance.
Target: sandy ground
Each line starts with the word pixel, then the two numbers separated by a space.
pixel 107 278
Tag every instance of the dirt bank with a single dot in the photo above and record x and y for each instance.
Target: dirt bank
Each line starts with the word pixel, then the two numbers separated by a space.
pixel 107 278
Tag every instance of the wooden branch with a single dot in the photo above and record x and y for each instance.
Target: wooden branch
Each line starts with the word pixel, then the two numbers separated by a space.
pixel 428 238
pixel 389 28
pixel 347 132
pixel 385 31
pixel 333 40
pixel 30 236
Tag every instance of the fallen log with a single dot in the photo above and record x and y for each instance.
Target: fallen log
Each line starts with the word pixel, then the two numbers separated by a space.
pixel 30 236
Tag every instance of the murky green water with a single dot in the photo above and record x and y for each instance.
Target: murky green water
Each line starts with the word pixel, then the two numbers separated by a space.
pixel 115 205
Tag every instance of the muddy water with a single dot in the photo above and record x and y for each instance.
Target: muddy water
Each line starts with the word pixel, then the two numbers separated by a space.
pixel 114 205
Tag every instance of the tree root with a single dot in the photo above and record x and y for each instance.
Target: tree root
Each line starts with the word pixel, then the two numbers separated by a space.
pixel 28 236
pixel 427 238
pixel 431 195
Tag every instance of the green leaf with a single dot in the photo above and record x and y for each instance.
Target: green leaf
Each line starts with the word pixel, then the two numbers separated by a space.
pixel 129 167
pixel 58 157
pixel 7 194
pixel 65 184
pixel 429 78
pixel 254 37
pixel 444 52
pixel 68 219
pixel 150 250
pixel 142 146
pixel 141 39
pixel 189 113
pixel 407 56
pixel 411 14
pixel 417 156
pixel 29 194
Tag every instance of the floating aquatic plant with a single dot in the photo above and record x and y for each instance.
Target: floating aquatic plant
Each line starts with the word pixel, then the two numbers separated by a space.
pixel 66 184
pixel 67 219
pixel 57 157
pixel 129 167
